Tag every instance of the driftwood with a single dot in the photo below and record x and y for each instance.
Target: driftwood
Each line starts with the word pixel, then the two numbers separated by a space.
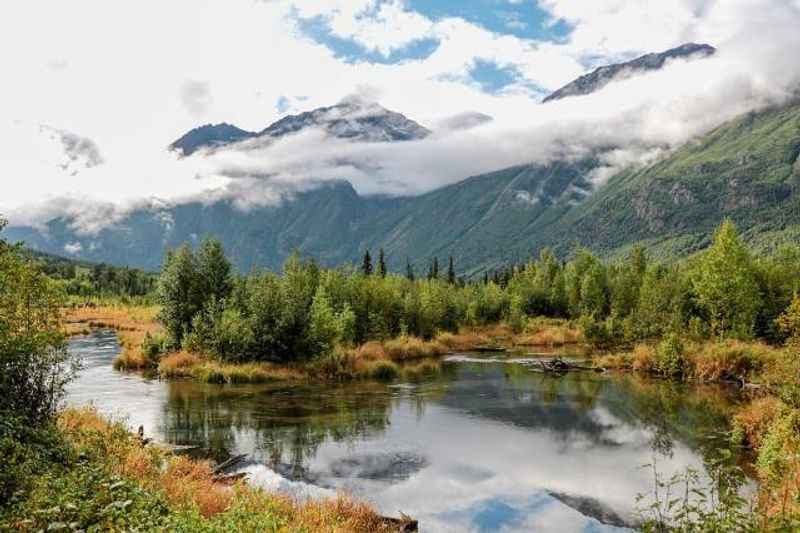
pixel 403 524
pixel 559 366
pixel 227 464
pixel 229 479
pixel 487 348
pixel 144 441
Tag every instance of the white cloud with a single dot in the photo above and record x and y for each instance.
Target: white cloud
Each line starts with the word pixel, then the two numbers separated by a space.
pixel 130 97
pixel 196 97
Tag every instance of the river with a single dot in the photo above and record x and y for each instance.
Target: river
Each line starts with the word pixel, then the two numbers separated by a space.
pixel 486 444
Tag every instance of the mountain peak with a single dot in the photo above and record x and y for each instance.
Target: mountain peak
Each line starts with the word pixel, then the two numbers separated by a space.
pixel 353 118
pixel 209 136
pixel 602 76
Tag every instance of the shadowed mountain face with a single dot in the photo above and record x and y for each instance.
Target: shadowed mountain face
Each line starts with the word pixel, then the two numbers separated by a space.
pixel 747 170
pixel 351 119
pixel 602 76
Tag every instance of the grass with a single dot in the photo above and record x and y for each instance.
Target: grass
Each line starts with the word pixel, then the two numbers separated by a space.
pixel 113 482
pixel 710 361
pixel 130 322
pixel 548 332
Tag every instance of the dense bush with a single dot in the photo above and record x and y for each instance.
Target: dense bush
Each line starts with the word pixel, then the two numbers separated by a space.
pixel 306 310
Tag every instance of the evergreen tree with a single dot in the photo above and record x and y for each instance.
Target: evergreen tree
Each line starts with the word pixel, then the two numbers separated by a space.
pixel 409 270
pixel 433 273
pixel 366 265
pixel 451 272
pixel 381 264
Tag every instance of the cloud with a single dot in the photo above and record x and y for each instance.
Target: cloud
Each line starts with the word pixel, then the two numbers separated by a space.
pixel 377 26
pixel 80 152
pixel 132 99
pixel 630 122
pixel 196 97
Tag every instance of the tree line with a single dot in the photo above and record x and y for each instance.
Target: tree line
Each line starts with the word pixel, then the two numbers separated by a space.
pixel 96 279
pixel 305 310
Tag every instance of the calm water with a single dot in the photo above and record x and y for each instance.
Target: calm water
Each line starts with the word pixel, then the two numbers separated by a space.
pixel 485 445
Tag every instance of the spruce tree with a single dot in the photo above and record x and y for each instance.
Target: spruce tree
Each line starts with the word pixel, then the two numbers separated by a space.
pixel 451 272
pixel 381 264
pixel 433 273
pixel 409 270
pixel 366 265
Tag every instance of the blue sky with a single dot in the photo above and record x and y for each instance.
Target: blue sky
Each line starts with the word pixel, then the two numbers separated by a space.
pixel 91 77
pixel 522 19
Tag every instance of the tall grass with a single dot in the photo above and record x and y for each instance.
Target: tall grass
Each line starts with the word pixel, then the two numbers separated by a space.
pixel 196 499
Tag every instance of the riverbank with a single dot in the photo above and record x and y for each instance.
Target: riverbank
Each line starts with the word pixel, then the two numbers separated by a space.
pixel 767 424
pixel 93 474
pixel 140 334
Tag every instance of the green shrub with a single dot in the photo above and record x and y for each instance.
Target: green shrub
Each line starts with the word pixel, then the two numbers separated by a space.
pixel 26 452
pixel 154 346
pixel 671 357
pixel 383 370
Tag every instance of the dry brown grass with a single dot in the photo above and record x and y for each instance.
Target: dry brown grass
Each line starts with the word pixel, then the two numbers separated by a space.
pixel 716 361
pixel 755 419
pixel 188 483
pixel 178 364
pixel 548 334
pixel 614 361
pixel 643 358
pixel 131 324
pixel 403 348
pixel 464 340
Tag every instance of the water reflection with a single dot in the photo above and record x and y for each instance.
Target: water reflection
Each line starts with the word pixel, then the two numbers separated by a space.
pixel 484 445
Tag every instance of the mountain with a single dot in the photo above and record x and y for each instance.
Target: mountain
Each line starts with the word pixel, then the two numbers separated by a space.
pixel 209 136
pixel 605 75
pixel 747 170
pixel 352 118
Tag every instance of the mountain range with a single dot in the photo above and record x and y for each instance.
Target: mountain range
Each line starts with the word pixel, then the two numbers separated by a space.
pixel 352 119
pixel 605 75
pixel 747 169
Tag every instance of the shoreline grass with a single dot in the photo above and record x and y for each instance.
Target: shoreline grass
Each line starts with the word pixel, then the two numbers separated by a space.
pixel 112 481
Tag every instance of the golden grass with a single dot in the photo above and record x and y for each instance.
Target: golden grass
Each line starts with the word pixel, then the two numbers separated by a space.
pixel 215 372
pixel 547 333
pixel 188 483
pixel 178 365
pixel 755 419
pixel 723 360
pixel 131 324
pixel 403 348
pixel 614 362
pixel 464 340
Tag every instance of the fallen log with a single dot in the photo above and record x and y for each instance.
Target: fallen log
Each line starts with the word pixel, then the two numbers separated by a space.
pixel 486 348
pixel 559 366
pixel 229 479
pixel 404 524
pixel 230 462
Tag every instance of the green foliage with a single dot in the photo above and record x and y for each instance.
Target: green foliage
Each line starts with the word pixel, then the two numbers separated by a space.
pixel 725 285
pixel 154 346
pixel 686 502
pixel 179 292
pixel 34 363
pixel 670 358
pixel 26 450
pixel 789 322
pixel 324 326
pixel 188 283
pixel 214 271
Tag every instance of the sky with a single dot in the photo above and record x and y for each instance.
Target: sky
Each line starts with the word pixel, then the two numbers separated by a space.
pixel 93 91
